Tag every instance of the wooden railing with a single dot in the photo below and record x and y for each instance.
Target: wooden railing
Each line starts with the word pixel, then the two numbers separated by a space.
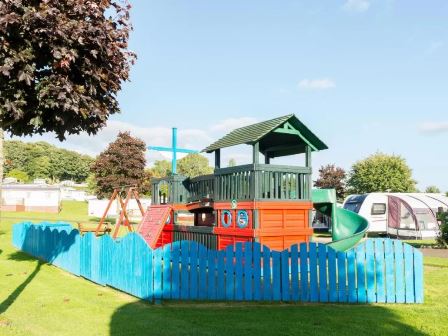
pixel 247 182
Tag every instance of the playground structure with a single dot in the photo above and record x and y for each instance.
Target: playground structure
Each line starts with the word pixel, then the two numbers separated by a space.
pixel 259 202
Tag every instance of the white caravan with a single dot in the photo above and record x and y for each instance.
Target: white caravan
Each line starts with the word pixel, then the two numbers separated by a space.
pixel 410 215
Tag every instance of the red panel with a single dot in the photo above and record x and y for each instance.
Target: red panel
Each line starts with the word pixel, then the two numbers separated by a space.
pixel 153 223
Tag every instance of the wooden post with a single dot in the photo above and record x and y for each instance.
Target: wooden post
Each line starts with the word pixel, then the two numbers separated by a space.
pixel 256 153
pixel 309 176
pixel 267 159
pixel 217 158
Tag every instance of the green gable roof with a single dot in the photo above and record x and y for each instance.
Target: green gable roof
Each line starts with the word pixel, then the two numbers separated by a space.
pixel 281 136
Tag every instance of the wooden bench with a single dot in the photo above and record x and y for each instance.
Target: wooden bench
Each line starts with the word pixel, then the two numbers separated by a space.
pixel 84 228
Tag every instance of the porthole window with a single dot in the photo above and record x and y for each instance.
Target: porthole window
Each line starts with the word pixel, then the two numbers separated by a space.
pixel 242 219
pixel 226 218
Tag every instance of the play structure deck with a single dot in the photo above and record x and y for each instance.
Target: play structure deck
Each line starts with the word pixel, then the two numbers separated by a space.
pixel 258 202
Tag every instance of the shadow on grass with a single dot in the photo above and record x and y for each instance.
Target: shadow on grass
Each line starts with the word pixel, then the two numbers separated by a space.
pixel 142 318
pixel 5 304
pixel 20 256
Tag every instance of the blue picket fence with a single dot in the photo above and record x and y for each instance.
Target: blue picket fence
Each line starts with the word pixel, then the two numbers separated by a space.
pixel 378 270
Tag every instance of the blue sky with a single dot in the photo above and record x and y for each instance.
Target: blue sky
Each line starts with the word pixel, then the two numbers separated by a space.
pixel 364 75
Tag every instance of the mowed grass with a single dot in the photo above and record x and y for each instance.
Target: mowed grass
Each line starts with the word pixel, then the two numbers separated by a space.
pixel 39 299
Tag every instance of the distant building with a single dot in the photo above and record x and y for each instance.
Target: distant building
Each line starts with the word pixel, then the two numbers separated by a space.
pixel 30 197
pixel 9 180
pixel 73 194
pixel 97 207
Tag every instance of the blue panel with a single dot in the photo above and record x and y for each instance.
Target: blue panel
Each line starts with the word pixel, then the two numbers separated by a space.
pixel 158 267
pixel 380 270
pixel 276 282
pixel 399 272
pixel 203 290
pixel 390 271
pixel 239 284
pixel 295 272
pixel 418 276
pixel 286 296
pixel 184 278
pixel 360 255
pixel 370 271
pixel 175 275
pixel 257 270
pixel 304 293
pixel 267 293
pixel 230 278
pixel 342 277
pixel 332 272
pixel 211 274
pixel 314 291
pixel 351 276
pixel 166 293
pixel 193 284
pixel 322 255
pixel 248 290
pixel 221 275
pixel 409 273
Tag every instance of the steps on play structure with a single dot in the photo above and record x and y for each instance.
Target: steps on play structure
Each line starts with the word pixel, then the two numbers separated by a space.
pixel 153 222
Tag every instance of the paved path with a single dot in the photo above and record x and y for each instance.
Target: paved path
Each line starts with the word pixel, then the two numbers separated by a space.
pixel 441 253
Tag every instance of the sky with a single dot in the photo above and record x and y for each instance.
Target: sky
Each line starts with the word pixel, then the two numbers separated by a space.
pixel 363 75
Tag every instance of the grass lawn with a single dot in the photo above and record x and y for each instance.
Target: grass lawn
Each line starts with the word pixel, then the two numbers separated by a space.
pixel 38 299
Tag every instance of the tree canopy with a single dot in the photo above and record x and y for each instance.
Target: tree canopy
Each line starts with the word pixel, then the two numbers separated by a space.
pixel 191 165
pixel 332 177
pixel 62 64
pixel 432 189
pixel 42 160
pixel 381 173
pixel 121 164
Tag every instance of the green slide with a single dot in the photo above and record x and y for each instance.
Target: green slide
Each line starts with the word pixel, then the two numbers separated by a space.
pixel 348 228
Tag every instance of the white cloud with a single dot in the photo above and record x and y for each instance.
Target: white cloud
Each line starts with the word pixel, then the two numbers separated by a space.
pixel 230 124
pixel 316 84
pixel 434 47
pixel 356 5
pixel 434 127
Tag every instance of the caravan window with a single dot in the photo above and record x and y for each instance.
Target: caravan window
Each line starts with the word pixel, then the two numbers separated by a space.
pixel 378 208
pixel 425 219
pixel 354 207
pixel 406 220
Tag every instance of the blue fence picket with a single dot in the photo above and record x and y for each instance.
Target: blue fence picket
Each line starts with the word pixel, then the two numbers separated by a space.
pixel 248 274
pixel 194 262
pixel 332 281
pixel 360 255
pixel 166 284
pixel 342 277
pixel 418 276
pixel 380 270
pixel 390 271
pixel 295 272
pixel 322 256
pixel 276 282
pixel 202 294
pixel 351 276
pixel 409 273
pixel 267 293
pixel 304 293
pixel 211 274
pixel 256 255
pixel 221 275
pixel 175 273
pixel 239 284
pixel 284 276
pixel 184 275
pixel 314 290
pixel 399 272
pixel 230 275
pixel 370 271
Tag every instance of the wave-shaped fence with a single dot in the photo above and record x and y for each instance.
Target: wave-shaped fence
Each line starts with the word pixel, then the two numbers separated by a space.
pixel 378 270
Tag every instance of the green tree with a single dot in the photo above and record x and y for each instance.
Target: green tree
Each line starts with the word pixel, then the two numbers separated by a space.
pixel 161 168
pixel 20 175
pixel 381 173
pixel 41 167
pixel 432 189
pixel 332 177
pixel 194 165
pixel 121 164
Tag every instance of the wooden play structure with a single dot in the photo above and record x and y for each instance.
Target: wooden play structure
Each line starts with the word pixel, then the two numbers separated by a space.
pixel 258 202
pixel 122 196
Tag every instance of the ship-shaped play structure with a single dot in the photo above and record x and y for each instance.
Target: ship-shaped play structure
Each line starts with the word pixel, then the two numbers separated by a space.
pixel 262 202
